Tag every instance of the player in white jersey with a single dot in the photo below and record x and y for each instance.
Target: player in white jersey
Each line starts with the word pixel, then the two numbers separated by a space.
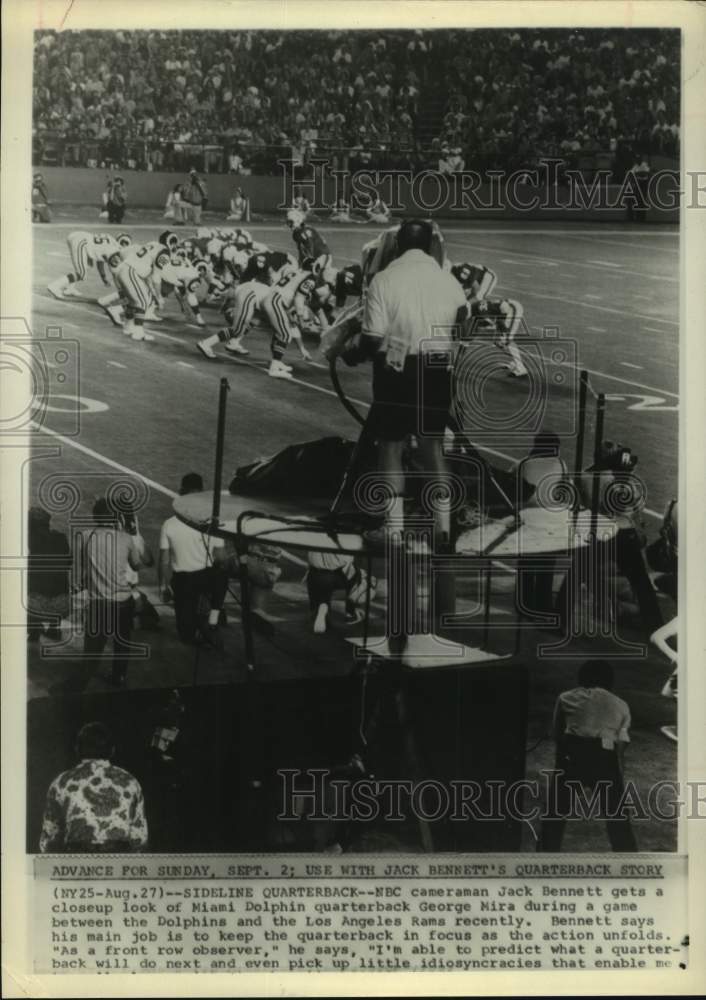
pixel 283 306
pixel 190 275
pixel 86 249
pixel 136 279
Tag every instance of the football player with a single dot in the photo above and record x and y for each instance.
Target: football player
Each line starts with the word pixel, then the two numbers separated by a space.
pixel 309 243
pixel 136 279
pixel 476 280
pixel 504 317
pixel 349 281
pixel 86 249
pixel 240 307
pixel 285 307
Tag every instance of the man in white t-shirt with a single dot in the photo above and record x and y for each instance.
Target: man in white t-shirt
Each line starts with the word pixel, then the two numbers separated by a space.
pixel 199 578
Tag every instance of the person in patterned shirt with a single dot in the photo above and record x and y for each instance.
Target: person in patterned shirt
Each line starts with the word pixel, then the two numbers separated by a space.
pixel 94 807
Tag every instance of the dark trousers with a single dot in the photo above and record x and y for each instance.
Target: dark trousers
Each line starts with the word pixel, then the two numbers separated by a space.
pixel 584 762
pixel 194 596
pixel 115 212
pixel 106 620
pixel 535 591
pixel 321 584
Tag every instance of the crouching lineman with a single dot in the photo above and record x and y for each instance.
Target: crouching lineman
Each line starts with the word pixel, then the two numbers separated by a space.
pixel 504 317
pixel 260 272
pixel 141 259
pixel 86 249
pixel 280 304
pixel 135 279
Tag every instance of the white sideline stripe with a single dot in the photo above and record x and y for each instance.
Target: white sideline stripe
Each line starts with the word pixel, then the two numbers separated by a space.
pixel 130 472
pixel 607 309
pixel 652 329
pixel 115 364
pixel 627 364
pixel 185 364
pixel 590 295
pixel 597 329
pixel 170 493
pixel 604 263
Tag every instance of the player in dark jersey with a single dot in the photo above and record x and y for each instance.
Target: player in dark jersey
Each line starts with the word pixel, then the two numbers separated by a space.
pixel 476 280
pixel 310 244
pixel 349 281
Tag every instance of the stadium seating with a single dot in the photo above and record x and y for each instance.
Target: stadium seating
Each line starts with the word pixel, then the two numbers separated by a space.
pixel 444 100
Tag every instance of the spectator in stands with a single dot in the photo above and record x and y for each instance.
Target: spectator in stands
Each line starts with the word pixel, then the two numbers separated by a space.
pixel 194 198
pixel 545 80
pixel 636 197
pixel 49 569
pixel 95 807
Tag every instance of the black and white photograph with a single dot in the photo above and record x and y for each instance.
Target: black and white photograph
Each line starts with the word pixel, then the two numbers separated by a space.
pixel 353 503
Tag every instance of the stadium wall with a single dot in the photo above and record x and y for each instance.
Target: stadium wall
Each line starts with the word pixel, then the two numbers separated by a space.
pixel 147 190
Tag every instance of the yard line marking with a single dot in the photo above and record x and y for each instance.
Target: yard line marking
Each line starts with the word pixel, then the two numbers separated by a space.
pixel 115 364
pixel 652 329
pixel 593 305
pixel 616 378
pixel 523 274
pixel 627 364
pixel 103 458
pixel 587 237
pixel 185 364
pixel 590 295
pixel 597 329
pixel 604 263
pixel 488 249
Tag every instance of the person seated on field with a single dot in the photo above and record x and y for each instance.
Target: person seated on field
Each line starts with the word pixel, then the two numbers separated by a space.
pixel 239 207
pixel 379 212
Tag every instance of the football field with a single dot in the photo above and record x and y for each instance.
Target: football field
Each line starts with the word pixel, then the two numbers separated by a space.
pixel 594 297
pixel 598 298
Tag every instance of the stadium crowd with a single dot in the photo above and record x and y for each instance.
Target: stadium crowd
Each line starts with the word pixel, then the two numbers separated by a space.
pixel 447 99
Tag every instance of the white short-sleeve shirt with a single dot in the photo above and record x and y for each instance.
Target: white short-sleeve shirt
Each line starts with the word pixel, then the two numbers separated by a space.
pixel 189 550
pixel 413 300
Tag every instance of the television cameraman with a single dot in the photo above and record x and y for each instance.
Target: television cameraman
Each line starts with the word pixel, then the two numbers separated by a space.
pixel 111 548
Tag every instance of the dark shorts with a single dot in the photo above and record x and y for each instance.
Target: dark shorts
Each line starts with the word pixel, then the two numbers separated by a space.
pixel 413 401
